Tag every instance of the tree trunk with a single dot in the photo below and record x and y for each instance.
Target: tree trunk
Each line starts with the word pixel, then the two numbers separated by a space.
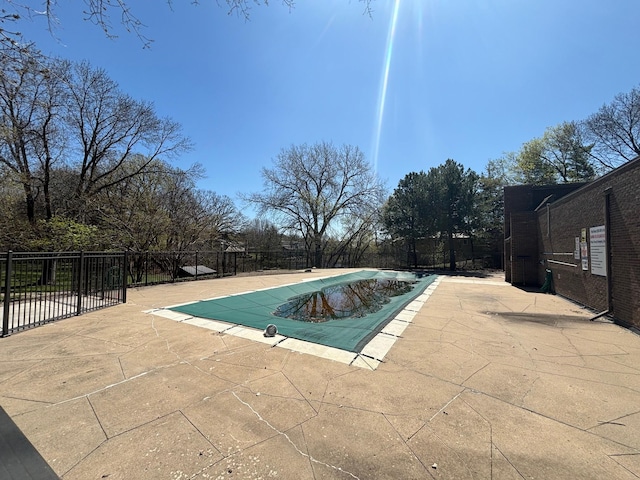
pixel 31 203
pixel 318 255
pixel 48 274
pixel 414 253
pixel 316 247
pixel 47 194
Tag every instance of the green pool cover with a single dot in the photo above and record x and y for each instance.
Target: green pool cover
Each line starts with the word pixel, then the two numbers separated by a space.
pixel 256 309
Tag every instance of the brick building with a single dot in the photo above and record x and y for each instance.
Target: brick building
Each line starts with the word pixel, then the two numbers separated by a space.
pixel 587 235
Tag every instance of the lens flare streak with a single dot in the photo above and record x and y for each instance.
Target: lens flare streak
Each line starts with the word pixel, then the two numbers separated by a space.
pixel 382 98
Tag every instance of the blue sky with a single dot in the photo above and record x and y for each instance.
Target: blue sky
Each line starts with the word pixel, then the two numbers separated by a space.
pixel 467 79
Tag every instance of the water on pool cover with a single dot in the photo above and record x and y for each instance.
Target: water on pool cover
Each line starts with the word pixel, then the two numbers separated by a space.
pixel 343 301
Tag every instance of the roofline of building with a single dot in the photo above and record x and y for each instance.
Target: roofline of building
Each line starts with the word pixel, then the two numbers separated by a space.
pixel 631 164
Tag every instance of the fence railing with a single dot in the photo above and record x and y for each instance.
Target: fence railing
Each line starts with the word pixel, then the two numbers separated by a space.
pixel 150 268
pixel 38 288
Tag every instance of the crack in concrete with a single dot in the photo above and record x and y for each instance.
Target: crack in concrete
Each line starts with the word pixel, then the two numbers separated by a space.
pixel 614 421
pixel 475 373
pixel 491 444
pixel 577 351
pixel 306 455
pixel 508 461
pixel 83 458
pixel 179 358
pixel 203 435
pixel 95 414
pixel 446 405
pixel 621 465
pixel 401 437
pixel 304 397
pixel 106 438
pixel 124 375
pixel 107 387
pixel 526 394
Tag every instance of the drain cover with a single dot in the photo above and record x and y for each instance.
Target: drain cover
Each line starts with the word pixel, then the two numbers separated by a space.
pixel 271 330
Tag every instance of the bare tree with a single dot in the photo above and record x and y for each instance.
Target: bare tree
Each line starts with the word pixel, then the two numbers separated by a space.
pixel 161 209
pixel 102 12
pixel 310 188
pixel 615 130
pixel 50 140
pixel 30 109
pixel 132 213
pixel 75 118
pixel 262 235
pixel 12 222
pixel 17 109
pixel 197 219
pixel 357 236
pixel 109 128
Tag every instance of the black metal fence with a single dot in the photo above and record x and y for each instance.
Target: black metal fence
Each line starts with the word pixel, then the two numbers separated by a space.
pixel 38 288
pixel 149 268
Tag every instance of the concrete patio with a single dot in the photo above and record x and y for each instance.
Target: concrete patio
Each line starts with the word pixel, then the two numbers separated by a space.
pixel 487 382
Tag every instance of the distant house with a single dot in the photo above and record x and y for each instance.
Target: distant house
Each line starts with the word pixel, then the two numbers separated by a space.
pixel 292 245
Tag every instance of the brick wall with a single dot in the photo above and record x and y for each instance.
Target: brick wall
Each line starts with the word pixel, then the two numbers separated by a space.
pixel 519 199
pixel 562 221
pixel 525 198
pixel 558 227
pixel 523 254
pixel 625 243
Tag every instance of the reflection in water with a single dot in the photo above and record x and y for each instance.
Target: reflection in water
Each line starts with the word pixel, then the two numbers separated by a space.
pixel 347 300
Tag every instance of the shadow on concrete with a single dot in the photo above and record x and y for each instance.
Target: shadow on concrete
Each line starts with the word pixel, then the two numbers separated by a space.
pixel 541 318
pixel 461 273
pixel 529 288
pixel 19 459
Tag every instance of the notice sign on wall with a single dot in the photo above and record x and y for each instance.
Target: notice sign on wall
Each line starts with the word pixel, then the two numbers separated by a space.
pixel 584 250
pixel 584 255
pixel 598 240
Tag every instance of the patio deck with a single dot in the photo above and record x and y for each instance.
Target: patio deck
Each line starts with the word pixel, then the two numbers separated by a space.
pixel 487 382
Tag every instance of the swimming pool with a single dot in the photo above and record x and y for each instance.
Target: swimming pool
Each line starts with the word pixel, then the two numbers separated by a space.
pixel 256 310
pixel 343 301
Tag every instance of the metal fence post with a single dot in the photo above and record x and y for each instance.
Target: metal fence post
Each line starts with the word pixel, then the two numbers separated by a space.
pixel 7 292
pixel 80 282
pixel 125 269
pixel 103 279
